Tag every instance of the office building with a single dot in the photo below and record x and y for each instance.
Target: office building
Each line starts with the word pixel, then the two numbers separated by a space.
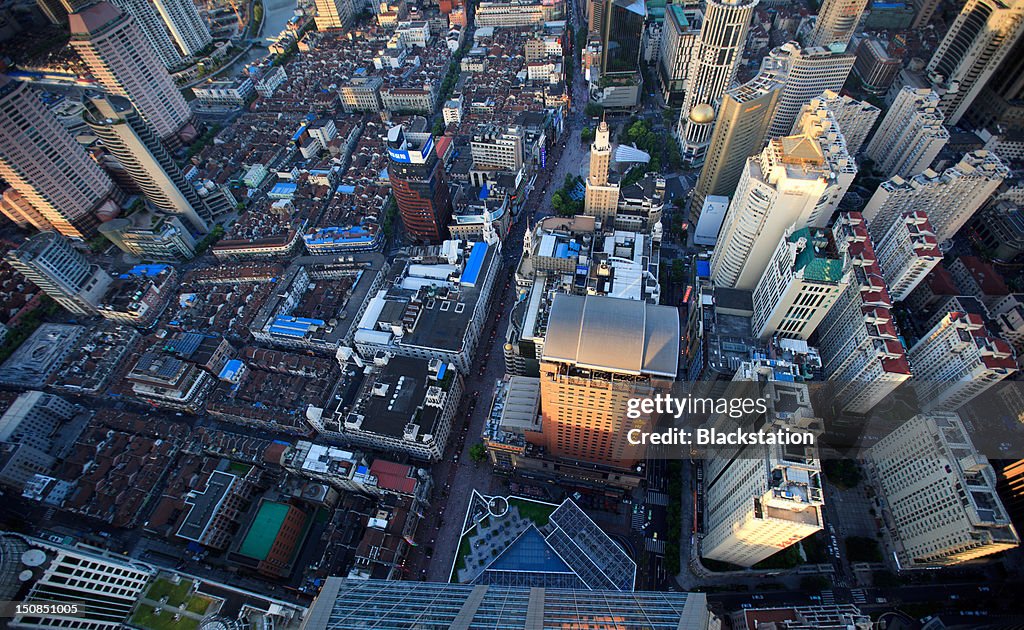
pixel 762 499
pixel 16 208
pixel 623 32
pixel 957 360
pixel 804 278
pixel 796 181
pixel 333 14
pixel 137 148
pixel 855 118
pixel 819 617
pixel 117 55
pixel 498 148
pixel 106 586
pixel 678 42
pixel 809 72
pixel 585 382
pixel 924 10
pixel 64 274
pixel 977 42
pixel 602 188
pixel 950 198
pixel 418 182
pixel 910 135
pixel 53 177
pixel 837 22
pixel 875 67
pixel 723 34
pixel 915 470
pixel 406 604
pixel 862 355
pixel 189 30
pixel 743 121
pixel 160 238
pixel 907 253
pixel 36 419
pixel 147 18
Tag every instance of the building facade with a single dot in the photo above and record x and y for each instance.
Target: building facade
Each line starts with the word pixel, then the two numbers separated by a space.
pixel 419 185
pixel 907 253
pixel 910 135
pixel 64 274
pixel 837 22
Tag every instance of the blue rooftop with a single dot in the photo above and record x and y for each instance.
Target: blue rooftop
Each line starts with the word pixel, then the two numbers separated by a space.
pixel 703 269
pixel 231 368
pixel 530 552
pixel 144 270
pixel 475 263
pixel 286 189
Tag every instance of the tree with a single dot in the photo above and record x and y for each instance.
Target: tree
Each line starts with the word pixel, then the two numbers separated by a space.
pixel 587 135
pixel 478 453
pixel 675 158
pixel 439 127
pixel 593 110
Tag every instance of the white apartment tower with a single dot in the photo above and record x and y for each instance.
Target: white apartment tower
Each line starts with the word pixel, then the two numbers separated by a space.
pixel 950 198
pixel 810 71
pixel 907 253
pixel 957 360
pixel 723 35
pixel 805 277
pixel 837 22
pixel 938 494
pixel 974 46
pixel 796 181
pixel 44 164
pixel 116 53
pixel 861 353
pixel 602 195
pixel 762 499
pixel 911 134
pixel 678 43
pixel 187 28
pixel 855 118
pixel 64 274
pixel 152 26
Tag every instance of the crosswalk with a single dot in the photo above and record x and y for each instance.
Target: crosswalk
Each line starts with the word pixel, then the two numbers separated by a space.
pixel 859 596
pixel 637 520
pixel 657 498
pixel 655 546
pixel 828 598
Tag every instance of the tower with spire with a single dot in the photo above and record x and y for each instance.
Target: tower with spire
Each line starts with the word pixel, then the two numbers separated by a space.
pixel 602 196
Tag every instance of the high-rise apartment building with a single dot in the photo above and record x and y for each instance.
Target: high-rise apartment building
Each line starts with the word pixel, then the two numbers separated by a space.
pixel 762 499
pixel 861 352
pixel 950 198
pixel 809 72
pixel 418 183
pixel 162 238
pixel 743 121
pixel 602 193
pixel 333 14
pixel 47 168
pixel 957 360
pixel 187 28
pixel 124 64
pixel 148 19
pixel 875 67
pixel 137 148
pixel 1000 104
pixel 804 278
pixel 411 604
pixel 910 136
pixel 907 253
pixel 586 381
pixel 938 494
pixel 977 42
pixel 16 208
pixel 678 42
pixel 64 274
pixel 855 118
pixel 925 9
pixel 723 34
pixel 796 181
pixel 837 21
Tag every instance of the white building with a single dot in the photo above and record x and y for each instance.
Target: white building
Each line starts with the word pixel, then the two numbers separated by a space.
pixel 837 21
pixel 809 72
pixel 452 111
pixel 957 360
pixel 797 180
pixel 499 148
pixel 907 253
pixel 861 353
pixel 62 272
pixel 189 30
pixel 805 277
pixel 938 494
pixel 601 199
pixel 855 118
pixel 152 26
pixel 910 136
pixel 710 222
pixel 950 198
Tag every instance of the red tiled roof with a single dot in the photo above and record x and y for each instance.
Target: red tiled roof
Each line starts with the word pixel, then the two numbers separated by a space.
pixel 392 476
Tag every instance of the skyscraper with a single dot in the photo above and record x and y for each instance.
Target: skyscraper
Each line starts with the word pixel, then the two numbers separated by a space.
pixel 602 195
pixel 861 352
pixel 152 26
pixel 950 198
pixel 723 34
pixel 189 30
pixel 804 278
pixel 136 146
pixel 1001 101
pixel 623 31
pixel 837 21
pixel 743 121
pixel 42 162
pixel 586 382
pixel 121 60
pixel 907 253
pixel 976 43
pixel 915 469
pixel 333 14
pixel 855 118
pixel 809 72
pixel 795 181
pixel 911 134
pixel 64 274
pixel 680 37
pixel 418 183
pixel 16 208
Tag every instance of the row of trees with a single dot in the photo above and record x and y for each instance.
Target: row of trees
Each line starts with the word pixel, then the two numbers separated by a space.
pixel 562 203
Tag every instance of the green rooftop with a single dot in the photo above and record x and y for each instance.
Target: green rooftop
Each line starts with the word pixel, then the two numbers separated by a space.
pixel 816 265
pixel 677 12
pixel 264 530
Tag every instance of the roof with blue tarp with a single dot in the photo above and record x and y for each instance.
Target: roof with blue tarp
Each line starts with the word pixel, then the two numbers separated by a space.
pixel 145 270
pixel 357 234
pixel 703 269
pixel 283 188
pixel 298 134
pixel 231 368
pixel 343 189
pixel 484 192
pixel 474 264
pixel 288 326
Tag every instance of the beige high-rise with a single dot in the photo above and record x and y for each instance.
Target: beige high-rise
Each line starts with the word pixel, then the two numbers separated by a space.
pixel 911 134
pixel 837 22
pixel 602 194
